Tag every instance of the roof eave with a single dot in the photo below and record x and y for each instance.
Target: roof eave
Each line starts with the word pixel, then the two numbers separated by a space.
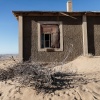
pixel 52 13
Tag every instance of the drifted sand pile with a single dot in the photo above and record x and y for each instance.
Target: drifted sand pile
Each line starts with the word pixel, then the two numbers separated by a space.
pixel 81 65
pixel 88 67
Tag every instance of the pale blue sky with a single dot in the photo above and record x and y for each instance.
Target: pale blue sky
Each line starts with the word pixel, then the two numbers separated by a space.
pixel 9 24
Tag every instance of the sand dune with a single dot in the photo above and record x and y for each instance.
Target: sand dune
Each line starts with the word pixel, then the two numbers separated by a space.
pixel 81 65
pixel 89 67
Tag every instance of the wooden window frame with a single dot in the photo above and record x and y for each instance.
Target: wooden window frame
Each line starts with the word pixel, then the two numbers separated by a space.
pixel 46 40
pixel 39 35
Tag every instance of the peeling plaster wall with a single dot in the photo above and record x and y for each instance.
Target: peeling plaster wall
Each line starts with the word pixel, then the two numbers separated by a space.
pixel 72 33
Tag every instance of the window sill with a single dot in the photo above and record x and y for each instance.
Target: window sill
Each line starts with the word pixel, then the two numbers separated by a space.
pixel 50 49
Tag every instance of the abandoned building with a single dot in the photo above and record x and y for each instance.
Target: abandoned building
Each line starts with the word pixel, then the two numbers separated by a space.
pixel 46 36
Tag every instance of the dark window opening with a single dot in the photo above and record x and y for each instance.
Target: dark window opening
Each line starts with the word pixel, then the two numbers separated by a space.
pixel 45 40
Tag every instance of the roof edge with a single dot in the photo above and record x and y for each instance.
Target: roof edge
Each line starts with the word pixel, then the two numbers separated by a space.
pixel 53 13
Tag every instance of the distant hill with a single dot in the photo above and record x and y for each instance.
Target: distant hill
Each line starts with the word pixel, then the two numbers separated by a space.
pixel 8 56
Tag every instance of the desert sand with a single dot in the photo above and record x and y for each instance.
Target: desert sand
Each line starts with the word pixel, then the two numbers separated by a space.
pixel 87 67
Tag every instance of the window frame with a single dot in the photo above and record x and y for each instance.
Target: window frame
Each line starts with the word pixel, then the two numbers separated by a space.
pixel 39 35
pixel 44 41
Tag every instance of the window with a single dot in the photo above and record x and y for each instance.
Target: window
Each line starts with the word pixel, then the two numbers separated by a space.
pixel 45 40
pixel 50 36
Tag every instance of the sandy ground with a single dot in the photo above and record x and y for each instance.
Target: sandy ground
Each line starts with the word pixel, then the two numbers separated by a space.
pixel 81 65
pixel 4 64
pixel 89 66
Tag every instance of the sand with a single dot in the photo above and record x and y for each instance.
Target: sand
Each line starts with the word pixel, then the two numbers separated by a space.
pixel 81 65
pixel 89 66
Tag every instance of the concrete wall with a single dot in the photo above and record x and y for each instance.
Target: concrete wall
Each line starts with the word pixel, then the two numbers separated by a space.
pixel 72 33
pixel 93 27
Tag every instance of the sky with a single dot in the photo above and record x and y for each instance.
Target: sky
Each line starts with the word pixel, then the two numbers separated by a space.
pixel 9 24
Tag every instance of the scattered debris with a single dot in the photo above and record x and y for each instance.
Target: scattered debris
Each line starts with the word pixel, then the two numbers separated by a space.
pixel 41 77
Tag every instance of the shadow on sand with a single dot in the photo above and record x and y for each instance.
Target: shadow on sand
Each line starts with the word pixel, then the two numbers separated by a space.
pixel 42 78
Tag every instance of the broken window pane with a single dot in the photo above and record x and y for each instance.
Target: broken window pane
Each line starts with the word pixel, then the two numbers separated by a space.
pixel 47 36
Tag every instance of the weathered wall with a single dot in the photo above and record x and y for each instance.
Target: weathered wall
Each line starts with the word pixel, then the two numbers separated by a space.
pixel 93 24
pixel 72 33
